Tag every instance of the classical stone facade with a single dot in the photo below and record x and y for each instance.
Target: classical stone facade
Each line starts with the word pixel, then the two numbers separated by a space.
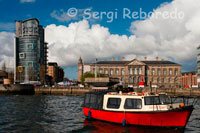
pixel 159 73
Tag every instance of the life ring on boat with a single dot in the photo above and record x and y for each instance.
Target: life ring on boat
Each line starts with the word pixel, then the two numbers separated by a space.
pixel 140 94
pixel 182 105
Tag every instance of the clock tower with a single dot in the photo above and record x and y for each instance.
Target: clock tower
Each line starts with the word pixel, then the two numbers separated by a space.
pixel 80 69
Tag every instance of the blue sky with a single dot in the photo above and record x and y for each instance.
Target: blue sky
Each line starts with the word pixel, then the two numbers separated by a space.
pixel 42 9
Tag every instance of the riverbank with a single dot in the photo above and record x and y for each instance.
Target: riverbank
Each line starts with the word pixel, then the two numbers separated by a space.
pixel 77 91
pixel 82 91
pixel 61 91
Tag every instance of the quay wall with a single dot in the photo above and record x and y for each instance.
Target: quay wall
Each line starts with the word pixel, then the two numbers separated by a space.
pixel 81 91
pixel 61 91
pixel 75 90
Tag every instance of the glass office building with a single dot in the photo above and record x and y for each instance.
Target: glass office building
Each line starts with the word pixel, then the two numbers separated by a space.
pixel 30 51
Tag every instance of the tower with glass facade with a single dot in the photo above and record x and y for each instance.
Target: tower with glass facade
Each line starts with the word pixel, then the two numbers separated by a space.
pixel 30 51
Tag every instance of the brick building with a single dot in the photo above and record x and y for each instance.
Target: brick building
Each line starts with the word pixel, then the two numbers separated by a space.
pixel 56 72
pixel 189 79
pixel 160 73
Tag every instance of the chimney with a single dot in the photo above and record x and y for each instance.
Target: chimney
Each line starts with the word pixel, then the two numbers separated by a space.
pixel 113 58
pixel 123 58
pixel 145 58
pixel 157 58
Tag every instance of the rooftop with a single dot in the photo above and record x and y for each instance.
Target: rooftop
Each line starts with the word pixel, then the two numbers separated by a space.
pixel 162 62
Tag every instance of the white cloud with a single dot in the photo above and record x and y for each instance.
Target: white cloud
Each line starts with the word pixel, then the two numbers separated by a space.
pixel 175 39
pixel 67 44
pixel 23 1
pixel 6 49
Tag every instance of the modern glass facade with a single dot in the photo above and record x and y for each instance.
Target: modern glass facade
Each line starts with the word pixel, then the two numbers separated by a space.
pixel 30 51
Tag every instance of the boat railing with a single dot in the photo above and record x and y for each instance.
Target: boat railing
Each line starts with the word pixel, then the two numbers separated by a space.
pixel 186 100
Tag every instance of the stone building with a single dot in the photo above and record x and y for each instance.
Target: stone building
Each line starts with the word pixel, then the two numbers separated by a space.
pixel 159 73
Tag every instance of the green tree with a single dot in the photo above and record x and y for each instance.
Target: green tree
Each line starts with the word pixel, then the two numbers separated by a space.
pixel 90 75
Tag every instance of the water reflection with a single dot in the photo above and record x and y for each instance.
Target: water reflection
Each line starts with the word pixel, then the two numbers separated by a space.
pixel 64 114
pixel 96 126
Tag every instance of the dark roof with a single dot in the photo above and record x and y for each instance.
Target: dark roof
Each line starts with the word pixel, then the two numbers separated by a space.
pixel 146 62
pixel 160 63
pixel 28 20
pixel 112 62
pixel 52 64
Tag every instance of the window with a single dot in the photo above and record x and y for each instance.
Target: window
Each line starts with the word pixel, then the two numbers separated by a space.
pixel 21 55
pixel 152 100
pixel 133 103
pixel 164 80
pixel 135 71
pixel 140 71
pixel 170 71
pixel 29 46
pixel 135 80
pixel 176 72
pixel 111 71
pixel 105 71
pixel 100 71
pixel 158 80
pixel 164 71
pixel 130 80
pixel 114 103
pixel 117 71
pixel 164 99
pixel 130 71
pixel 170 80
pixel 94 101
pixel 158 71
pixel 153 71
pixel 122 71
pixel 175 79
pixel 139 79
pixel 152 80
pixel 29 64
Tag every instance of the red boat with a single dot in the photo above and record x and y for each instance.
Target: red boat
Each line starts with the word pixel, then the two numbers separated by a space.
pixel 144 109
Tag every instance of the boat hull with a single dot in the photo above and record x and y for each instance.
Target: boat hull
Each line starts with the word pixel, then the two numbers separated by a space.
pixel 172 118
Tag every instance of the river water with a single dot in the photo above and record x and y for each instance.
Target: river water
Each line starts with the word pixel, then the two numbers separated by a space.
pixel 64 114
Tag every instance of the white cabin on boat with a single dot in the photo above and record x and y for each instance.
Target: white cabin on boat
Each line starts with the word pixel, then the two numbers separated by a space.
pixel 130 102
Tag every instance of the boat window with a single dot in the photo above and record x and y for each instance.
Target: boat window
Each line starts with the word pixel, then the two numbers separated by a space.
pixel 87 100
pixel 93 101
pixel 133 103
pixel 152 100
pixel 164 99
pixel 114 103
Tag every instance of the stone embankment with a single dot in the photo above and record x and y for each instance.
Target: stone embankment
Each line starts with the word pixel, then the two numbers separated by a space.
pixel 81 91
